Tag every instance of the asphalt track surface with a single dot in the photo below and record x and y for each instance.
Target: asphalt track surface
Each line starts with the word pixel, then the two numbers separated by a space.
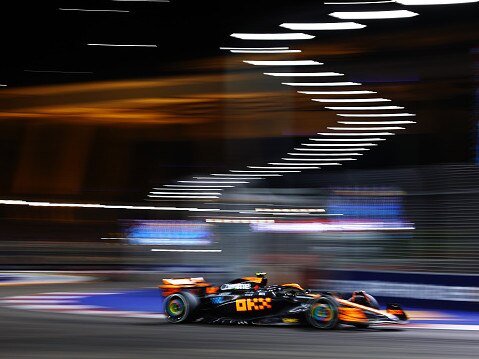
pixel 26 334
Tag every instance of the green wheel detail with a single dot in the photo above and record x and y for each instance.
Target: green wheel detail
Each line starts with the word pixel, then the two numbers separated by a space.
pixel 323 313
pixel 180 307
pixel 175 307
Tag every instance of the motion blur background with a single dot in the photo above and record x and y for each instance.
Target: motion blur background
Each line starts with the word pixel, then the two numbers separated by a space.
pixel 87 124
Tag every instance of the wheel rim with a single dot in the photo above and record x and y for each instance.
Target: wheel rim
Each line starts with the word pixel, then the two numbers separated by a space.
pixel 322 312
pixel 175 308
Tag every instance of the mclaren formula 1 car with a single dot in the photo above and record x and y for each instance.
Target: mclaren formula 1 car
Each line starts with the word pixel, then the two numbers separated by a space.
pixel 250 300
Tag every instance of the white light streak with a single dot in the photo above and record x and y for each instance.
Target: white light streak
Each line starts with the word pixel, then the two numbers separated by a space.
pixel 3 85
pixel 346 83
pixel 371 15
pixel 93 10
pixel 304 74
pixel 354 108
pixel 323 26
pixel 318 159
pixel 293 210
pixel 345 92
pixel 385 128
pixel 188 250
pixel 376 122
pixel 434 2
pixel 213 182
pixel 191 186
pixel 325 154
pixel 186 189
pixel 339 145
pixel 315 150
pixel 282 168
pixel 251 171
pixel 123 45
pixel 351 100
pixel 189 193
pixel 234 175
pixel 376 114
pixel 367 139
pixel 283 63
pixel 264 51
pixel 221 220
pixel 227 178
pixel 183 197
pixel 356 134
pixel 255 48
pixel 276 36
pixel 102 206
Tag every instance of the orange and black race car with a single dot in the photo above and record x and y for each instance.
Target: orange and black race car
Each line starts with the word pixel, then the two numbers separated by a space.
pixel 250 300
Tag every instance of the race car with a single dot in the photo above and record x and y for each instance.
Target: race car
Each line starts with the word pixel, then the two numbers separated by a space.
pixel 249 300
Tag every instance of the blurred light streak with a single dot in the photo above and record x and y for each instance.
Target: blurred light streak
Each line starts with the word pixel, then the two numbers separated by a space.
pixel 364 108
pixel 345 92
pixel 332 149
pixel 123 45
pixel 316 159
pixel 187 189
pixel 347 83
pixel 386 128
pixel 106 206
pixel 283 168
pixel 371 15
pixel 192 186
pixel 307 74
pixel 252 171
pixel 226 178
pixel 339 145
pixel 229 220
pixel 346 139
pixel 93 10
pixel 290 210
pixel 3 85
pixel 188 193
pixel 324 154
pixel 264 51
pixel 351 100
pixel 323 26
pixel 335 226
pixel 187 250
pixel 214 182
pixel 356 134
pixel 283 63
pixel 235 175
pixel 277 36
pixel 376 114
pixel 255 48
pixel 434 2
pixel 376 122
pixel 183 197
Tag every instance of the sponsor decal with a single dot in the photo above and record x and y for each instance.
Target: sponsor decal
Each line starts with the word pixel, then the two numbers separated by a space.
pixel 290 320
pixel 217 300
pixel 236 286
pixel 251 304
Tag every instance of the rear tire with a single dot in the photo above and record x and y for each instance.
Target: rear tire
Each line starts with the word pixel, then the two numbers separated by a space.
pixel 180 307
pixel 323 313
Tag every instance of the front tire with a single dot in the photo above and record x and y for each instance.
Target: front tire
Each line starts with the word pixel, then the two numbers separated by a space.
pixel 323 313
pixel 180 307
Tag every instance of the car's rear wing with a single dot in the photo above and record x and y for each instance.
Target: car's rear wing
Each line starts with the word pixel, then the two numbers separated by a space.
pixel 192 284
